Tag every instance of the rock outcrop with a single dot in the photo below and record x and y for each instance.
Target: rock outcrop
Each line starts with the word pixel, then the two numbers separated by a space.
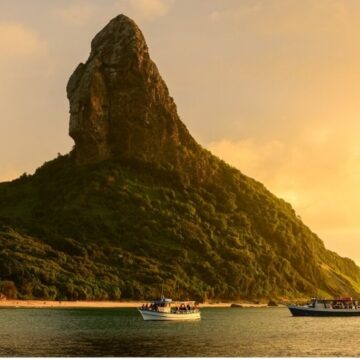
pixel 119 104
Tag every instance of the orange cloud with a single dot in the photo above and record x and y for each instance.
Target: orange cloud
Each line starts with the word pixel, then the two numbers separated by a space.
pixel 149 9
pixel 78 13
pixel 316 170
pixel 9 173
pixel 18 40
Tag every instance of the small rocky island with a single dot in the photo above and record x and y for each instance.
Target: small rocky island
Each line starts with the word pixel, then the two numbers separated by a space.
pixel 138 203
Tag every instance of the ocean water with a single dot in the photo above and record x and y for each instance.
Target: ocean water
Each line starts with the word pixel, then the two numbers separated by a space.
pixel 221 332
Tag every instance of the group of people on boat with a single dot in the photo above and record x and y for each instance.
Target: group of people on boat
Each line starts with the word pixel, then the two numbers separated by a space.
pixel 177 309
pixel 338 303
pixel 184 308
pixel 151 307
pixel 351 304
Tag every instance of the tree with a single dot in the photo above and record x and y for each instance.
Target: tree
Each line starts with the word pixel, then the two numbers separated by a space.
pixel 8 288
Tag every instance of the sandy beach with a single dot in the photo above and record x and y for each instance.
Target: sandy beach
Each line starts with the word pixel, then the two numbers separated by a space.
pixel 98 304
pixel 67 304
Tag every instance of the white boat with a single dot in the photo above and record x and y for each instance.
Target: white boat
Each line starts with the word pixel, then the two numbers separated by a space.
pixel 165 309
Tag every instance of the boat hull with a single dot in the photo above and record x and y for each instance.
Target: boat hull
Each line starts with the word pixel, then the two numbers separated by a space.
pixel 160 316
pixel 305 311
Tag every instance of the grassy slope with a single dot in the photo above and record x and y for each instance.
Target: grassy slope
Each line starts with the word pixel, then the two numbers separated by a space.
pixel 119 229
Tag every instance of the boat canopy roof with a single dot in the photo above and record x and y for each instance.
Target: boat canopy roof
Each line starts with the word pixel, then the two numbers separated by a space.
pixel 163 300
pixel 338 299
pixel 184 302
pixel 175 302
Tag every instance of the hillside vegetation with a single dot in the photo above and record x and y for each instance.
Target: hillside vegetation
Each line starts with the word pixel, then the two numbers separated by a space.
pixel 120 229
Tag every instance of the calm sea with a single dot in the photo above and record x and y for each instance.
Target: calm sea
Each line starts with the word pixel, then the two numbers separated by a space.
pixel 221 332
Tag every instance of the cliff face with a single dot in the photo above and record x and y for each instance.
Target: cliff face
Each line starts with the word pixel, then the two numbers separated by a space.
pixel 119 104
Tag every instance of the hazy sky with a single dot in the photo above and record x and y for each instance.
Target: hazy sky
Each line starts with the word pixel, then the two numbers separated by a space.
pixel 270 86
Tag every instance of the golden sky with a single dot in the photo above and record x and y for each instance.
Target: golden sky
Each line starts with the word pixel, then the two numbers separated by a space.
pixel 270 86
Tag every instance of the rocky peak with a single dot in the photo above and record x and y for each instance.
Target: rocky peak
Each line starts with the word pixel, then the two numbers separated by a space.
pixel 119 104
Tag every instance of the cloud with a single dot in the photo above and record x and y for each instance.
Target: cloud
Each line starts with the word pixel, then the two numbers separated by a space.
pixel 25 73
pixel 315 170
pixel 249 155
pixel 236 13
pixel 77 13
pixel 149 9
pixel 342 241
pixel 84 12
pixel 24 54
pixel 9 173
pixel 17 40
pixel 287 18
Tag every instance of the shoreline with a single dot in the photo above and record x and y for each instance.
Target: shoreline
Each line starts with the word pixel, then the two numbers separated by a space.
pixel 104 304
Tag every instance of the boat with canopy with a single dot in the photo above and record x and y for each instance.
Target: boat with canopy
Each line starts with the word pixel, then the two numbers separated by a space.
pixel 342 306
pixel 166 309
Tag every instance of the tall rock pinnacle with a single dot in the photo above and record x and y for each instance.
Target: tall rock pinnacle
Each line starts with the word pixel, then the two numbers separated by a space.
pixel 119 104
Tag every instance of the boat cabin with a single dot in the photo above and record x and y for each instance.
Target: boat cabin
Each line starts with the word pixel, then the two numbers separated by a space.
pixel 163 305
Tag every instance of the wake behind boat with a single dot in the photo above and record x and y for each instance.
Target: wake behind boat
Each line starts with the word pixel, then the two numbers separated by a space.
pixel 165 309
pixel 325 307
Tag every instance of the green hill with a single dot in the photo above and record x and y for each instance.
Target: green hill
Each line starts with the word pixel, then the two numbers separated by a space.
pixel 138 203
